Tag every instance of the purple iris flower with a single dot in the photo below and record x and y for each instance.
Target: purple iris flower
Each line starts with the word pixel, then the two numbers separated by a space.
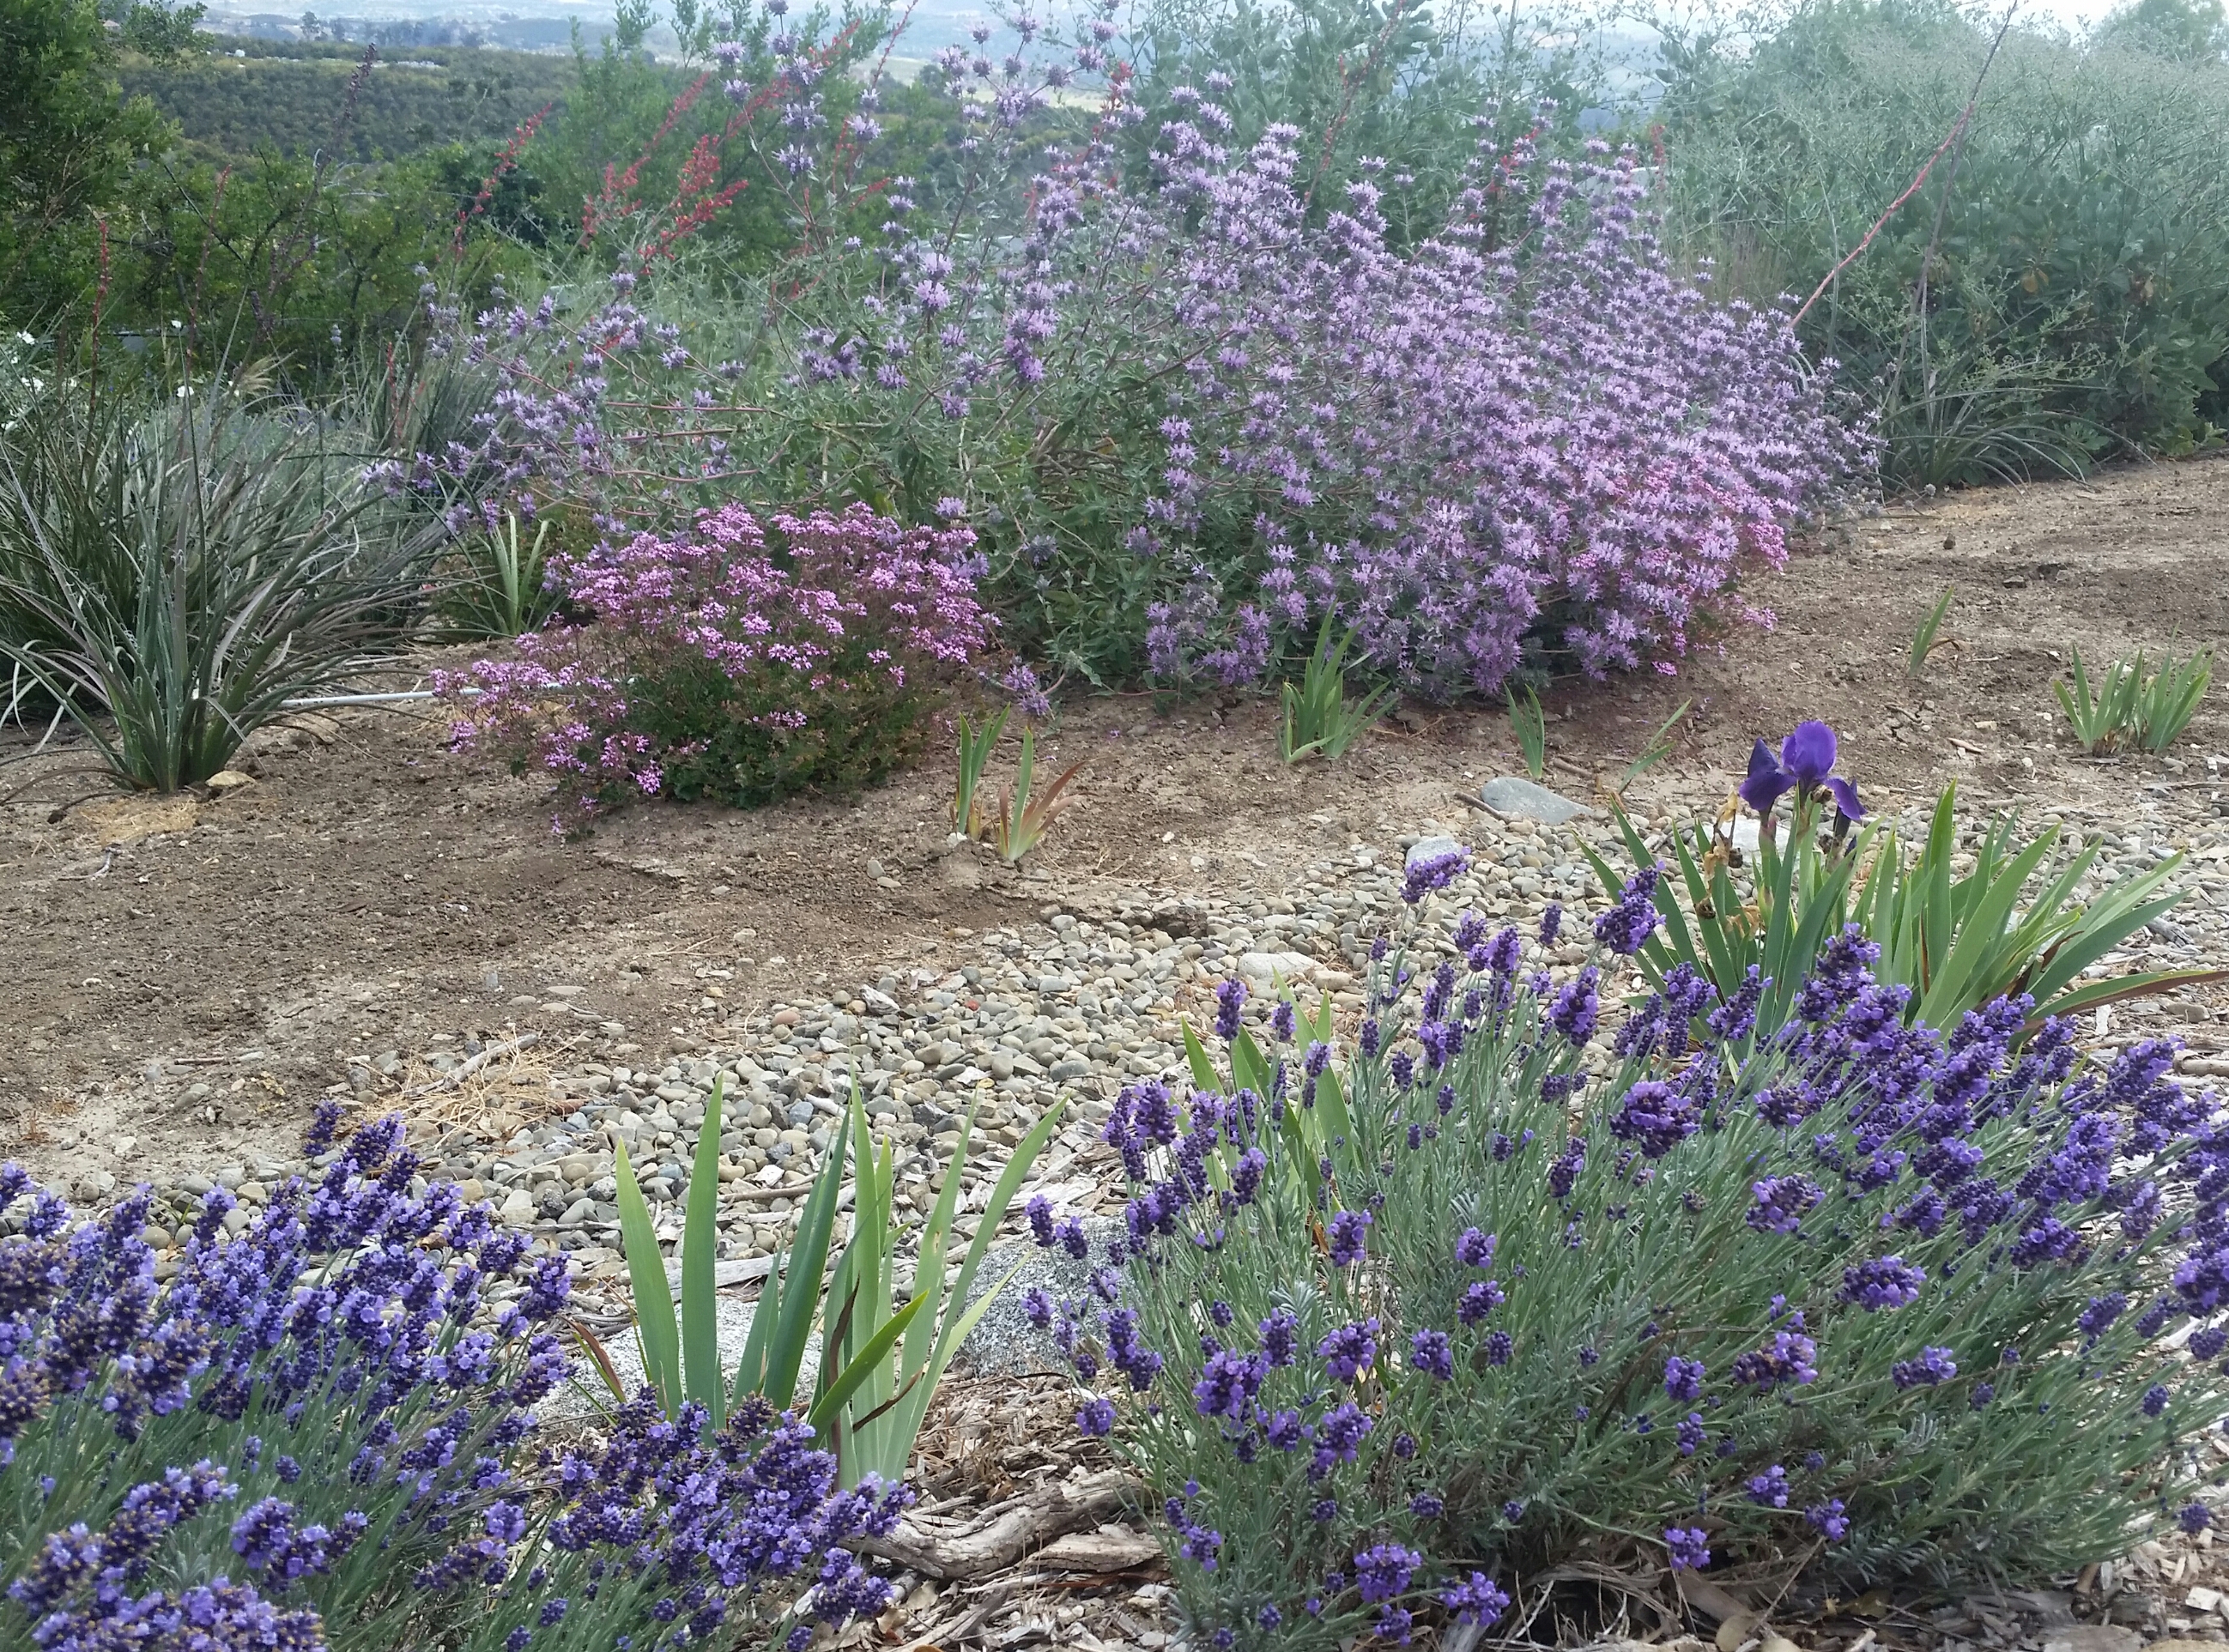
pixel 1807 762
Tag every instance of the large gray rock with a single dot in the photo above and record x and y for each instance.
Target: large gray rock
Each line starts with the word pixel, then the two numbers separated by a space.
pixel 1512 797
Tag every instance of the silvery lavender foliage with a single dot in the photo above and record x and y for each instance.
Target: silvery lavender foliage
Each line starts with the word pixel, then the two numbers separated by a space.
pixel 318 1431
pixel 1908 1290
pixel 1190 419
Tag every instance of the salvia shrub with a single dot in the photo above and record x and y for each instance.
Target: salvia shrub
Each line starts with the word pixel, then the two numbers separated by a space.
pixel 722 663
pixel 1503 1290
pixel 320 1430
pixel 1190 419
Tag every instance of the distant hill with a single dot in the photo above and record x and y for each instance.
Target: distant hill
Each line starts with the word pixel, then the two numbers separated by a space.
pixel 250 95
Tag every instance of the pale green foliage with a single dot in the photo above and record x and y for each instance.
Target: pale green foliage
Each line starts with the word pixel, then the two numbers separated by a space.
pixel 1530 725
pixel 881 1357
pixel 1320 721
pixel 974 753
pixel 499 588
pixel 1923 641
pixel 2169 699
pixel 2130 706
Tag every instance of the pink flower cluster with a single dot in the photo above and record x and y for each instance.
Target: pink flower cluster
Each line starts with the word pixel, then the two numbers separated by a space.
pixel 699 639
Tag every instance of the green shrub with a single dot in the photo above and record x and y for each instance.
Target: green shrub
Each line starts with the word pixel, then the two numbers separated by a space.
pixel 2077 305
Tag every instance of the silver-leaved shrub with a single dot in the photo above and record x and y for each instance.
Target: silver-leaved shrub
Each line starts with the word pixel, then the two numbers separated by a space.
pixel 1393 1334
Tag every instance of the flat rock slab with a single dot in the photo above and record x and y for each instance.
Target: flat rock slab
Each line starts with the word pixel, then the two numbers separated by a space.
pixel 1514 798
pixel 1432 849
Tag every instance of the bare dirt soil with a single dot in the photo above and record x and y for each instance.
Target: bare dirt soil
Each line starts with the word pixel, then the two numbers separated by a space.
pixel 190 973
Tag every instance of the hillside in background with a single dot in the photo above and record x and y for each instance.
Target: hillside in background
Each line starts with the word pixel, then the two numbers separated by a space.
pixel 252 95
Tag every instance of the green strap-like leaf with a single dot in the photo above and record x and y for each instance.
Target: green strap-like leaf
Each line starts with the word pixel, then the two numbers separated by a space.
pixel 809 1258
pixel 654 1299
pixel 1203 1071
pixel 700 1241
pixel 874 1355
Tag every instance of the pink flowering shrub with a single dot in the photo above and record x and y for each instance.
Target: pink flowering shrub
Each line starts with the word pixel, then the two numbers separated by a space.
pixel 720 663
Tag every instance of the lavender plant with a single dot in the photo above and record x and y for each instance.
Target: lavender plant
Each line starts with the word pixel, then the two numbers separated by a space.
pixel 322 1430
pixel 1492 1289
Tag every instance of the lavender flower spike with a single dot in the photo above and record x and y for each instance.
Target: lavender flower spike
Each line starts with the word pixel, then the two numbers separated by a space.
pixel 1807 762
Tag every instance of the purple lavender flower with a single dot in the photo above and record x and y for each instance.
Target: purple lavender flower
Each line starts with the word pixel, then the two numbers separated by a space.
pixel 1227 1387
pixel 1551 923
pixel 1575 1009
pixel 1683 1378
pixel 1934 1366
pixel 1769 1490
pixel 1479 1298
pixel 1350 1232
pixel 1790 1357
pixel 1625 929
pixel 1229 999
pixel 1477 1599
pixel 1382 1573
pixel 1474 1249
pixel 1657 1117
pixel 1434 872
pixel 1827 1518
pixel 1882 1284
pixel 1350 1350
pixel 1781 1203
pixel 1688 1546
pixel 2194 1518
pixel 1281 1020
pixel 1431 1353
pixel 1564 1174
pixel 1339 1438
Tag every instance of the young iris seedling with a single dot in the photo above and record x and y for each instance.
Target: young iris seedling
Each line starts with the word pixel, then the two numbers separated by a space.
pixel 1023 820
pixel 2102 720
pixel 974 753
pixel 500 590
pixel 1320 721
pixel 880 1358
pixel 2166 703
pixel 1923 641
pixel 1529 724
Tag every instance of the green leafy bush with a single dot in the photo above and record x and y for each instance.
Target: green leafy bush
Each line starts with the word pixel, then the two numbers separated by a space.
pixel 1409 1327
pixel 2075 300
